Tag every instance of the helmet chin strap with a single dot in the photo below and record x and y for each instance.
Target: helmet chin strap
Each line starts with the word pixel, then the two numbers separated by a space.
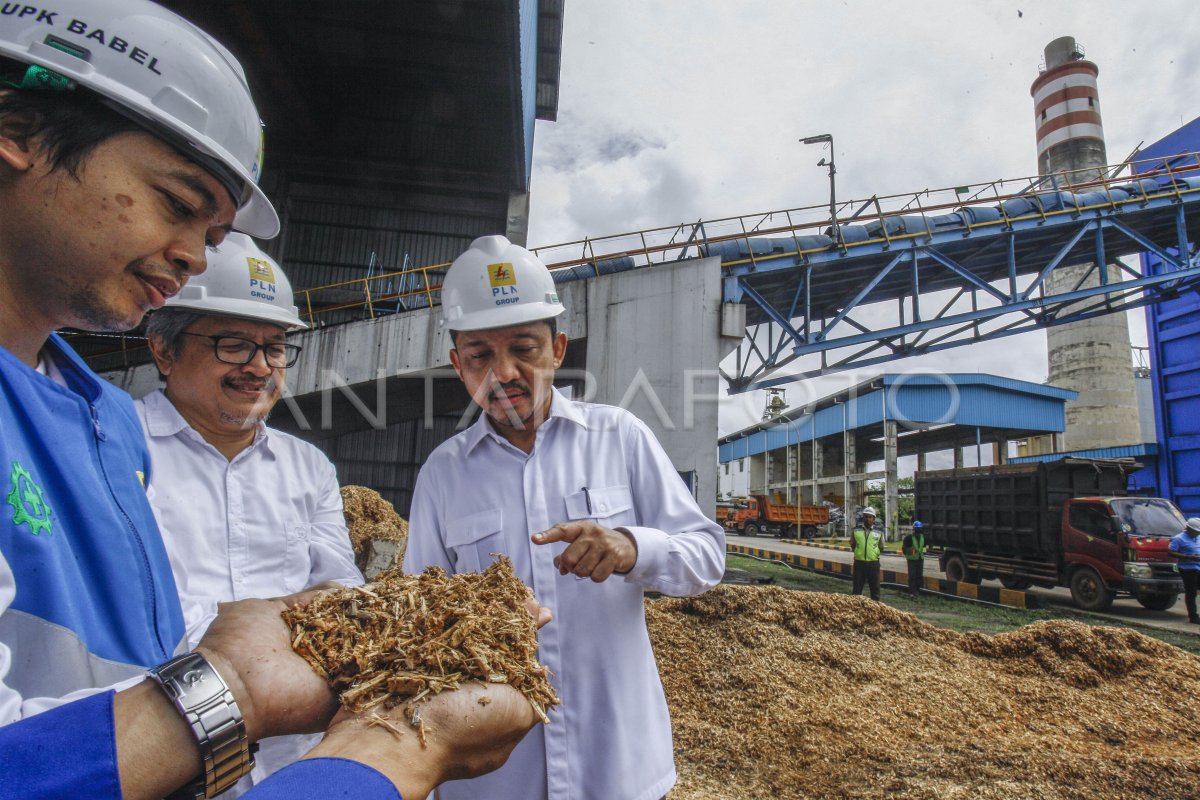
pixel 38 77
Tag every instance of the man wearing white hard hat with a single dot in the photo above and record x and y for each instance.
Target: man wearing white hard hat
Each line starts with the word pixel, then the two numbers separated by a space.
pixel 272 522
pixel 129 143
pixel 1185 546
pixel 583 500
pixel 867 543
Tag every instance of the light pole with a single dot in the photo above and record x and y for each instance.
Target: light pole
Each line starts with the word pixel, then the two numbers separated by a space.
pixel 822 138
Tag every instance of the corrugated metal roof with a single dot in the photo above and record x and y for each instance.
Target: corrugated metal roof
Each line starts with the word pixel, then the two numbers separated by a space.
pixel 1127 451
pixel 924 400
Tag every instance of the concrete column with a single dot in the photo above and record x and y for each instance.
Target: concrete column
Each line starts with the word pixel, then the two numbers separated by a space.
pixel 818 470
pixel 758 474
pixel 891 494
pixel 849 465
pixel 517 225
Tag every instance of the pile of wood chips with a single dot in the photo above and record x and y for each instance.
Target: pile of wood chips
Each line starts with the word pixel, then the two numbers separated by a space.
pixel 781 694
pixel 369 517
pixel 404 638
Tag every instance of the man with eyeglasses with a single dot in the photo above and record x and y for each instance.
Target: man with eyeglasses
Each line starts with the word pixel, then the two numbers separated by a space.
pixel 245 510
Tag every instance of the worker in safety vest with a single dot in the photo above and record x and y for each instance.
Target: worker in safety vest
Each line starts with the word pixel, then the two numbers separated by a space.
pixel 868 544
pixel 913 548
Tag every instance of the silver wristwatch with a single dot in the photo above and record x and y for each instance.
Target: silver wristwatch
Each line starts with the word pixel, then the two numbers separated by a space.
pixel 204 700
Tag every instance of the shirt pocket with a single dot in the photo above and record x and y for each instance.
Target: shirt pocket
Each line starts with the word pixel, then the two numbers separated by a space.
pixel 473 539
pixel 297 559
pixel 613 505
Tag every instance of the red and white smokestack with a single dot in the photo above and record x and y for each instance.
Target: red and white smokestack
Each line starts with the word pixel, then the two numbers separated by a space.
pixel 1070 134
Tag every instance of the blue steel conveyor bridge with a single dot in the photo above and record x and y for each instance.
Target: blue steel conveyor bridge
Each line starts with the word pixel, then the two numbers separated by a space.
pixel 945 271
pixel 898 276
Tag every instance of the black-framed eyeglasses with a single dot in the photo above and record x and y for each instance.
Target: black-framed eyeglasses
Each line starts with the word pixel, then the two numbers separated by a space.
pixel 236 350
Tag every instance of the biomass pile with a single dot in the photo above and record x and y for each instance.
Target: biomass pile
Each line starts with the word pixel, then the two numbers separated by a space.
pixel 780 694
pixel 403 638
pixel 370 517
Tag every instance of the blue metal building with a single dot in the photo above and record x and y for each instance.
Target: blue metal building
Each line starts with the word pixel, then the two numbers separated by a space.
pixel 821 452
pixel 1174 336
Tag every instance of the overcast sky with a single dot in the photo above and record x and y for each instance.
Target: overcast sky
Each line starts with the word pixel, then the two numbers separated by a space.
pixel 673 112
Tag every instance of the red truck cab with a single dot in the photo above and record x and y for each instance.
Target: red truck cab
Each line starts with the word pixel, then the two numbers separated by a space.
pixel 1120 544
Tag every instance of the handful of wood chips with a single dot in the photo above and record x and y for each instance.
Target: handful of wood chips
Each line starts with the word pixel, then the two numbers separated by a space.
pixel 404 638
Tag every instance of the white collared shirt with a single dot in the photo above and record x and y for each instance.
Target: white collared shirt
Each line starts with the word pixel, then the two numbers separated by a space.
pixel 478 495
pixel 265 524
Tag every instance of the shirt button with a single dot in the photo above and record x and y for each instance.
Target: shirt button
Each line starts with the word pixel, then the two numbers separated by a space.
pixel 603 507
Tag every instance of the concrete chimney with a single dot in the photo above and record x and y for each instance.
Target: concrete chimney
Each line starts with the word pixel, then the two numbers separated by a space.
pixel 1093 357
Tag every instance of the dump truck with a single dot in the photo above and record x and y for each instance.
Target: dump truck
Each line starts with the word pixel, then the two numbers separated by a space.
pixel 1060 523
pixel 725 510
pixel 758 514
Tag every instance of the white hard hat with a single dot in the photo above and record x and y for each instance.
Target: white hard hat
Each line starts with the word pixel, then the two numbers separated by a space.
pixel 162 71
pixel 241 281
pixel 869 510
pixel 1193 524
pixel 494 284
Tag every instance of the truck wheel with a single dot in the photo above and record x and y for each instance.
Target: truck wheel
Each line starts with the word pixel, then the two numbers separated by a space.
pixel 809 532
pixel 790 532
pixel 1089 592
pixel 751 529
pixel 956 569
pixel 1157 601
pixel 1013 582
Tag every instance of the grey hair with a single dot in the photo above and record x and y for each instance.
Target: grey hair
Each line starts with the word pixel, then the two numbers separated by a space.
pixel 168 325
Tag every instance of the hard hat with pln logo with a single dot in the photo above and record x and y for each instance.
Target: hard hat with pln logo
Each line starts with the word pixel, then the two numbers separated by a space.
pixel 241 281
pixel 159 70
pixel 495 284
pixel 869 510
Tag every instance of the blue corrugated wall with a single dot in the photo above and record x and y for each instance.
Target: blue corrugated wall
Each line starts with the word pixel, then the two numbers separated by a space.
pixel 1174 337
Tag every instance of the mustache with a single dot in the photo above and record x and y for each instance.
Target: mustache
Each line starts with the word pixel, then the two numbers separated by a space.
pixel 499 388
pixel 159 271
pixel 243 381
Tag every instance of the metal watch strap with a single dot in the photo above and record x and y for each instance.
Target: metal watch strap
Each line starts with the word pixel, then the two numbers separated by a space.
pixel 207 705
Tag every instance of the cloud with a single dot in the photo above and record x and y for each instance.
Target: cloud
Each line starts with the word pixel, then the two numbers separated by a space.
pixel 589 143
pixel 668 117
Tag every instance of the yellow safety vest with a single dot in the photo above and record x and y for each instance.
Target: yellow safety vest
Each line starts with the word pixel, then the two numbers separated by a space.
pixel 866 545
pixel 915 549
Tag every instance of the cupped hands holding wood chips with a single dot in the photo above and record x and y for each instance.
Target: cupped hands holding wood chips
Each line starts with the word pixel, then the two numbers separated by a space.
pixel 436 676
pixel 443 664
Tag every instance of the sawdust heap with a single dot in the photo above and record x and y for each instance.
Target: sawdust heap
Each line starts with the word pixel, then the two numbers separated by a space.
pixel 780 694
pixel 369 516
pixel 403 638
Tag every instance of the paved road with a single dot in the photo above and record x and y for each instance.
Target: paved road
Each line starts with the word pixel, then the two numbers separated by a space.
pixel 1125 610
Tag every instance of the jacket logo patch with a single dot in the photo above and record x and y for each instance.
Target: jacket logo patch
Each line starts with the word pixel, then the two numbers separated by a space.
pixel 28 502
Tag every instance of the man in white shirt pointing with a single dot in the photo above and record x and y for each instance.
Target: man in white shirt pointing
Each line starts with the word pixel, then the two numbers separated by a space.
pixel 245 510
pixel 591 511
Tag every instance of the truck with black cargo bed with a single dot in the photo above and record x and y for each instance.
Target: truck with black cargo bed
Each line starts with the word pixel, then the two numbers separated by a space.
pixel 1060 523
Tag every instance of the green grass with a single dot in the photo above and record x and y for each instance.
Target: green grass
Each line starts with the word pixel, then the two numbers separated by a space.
pixel 958 615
